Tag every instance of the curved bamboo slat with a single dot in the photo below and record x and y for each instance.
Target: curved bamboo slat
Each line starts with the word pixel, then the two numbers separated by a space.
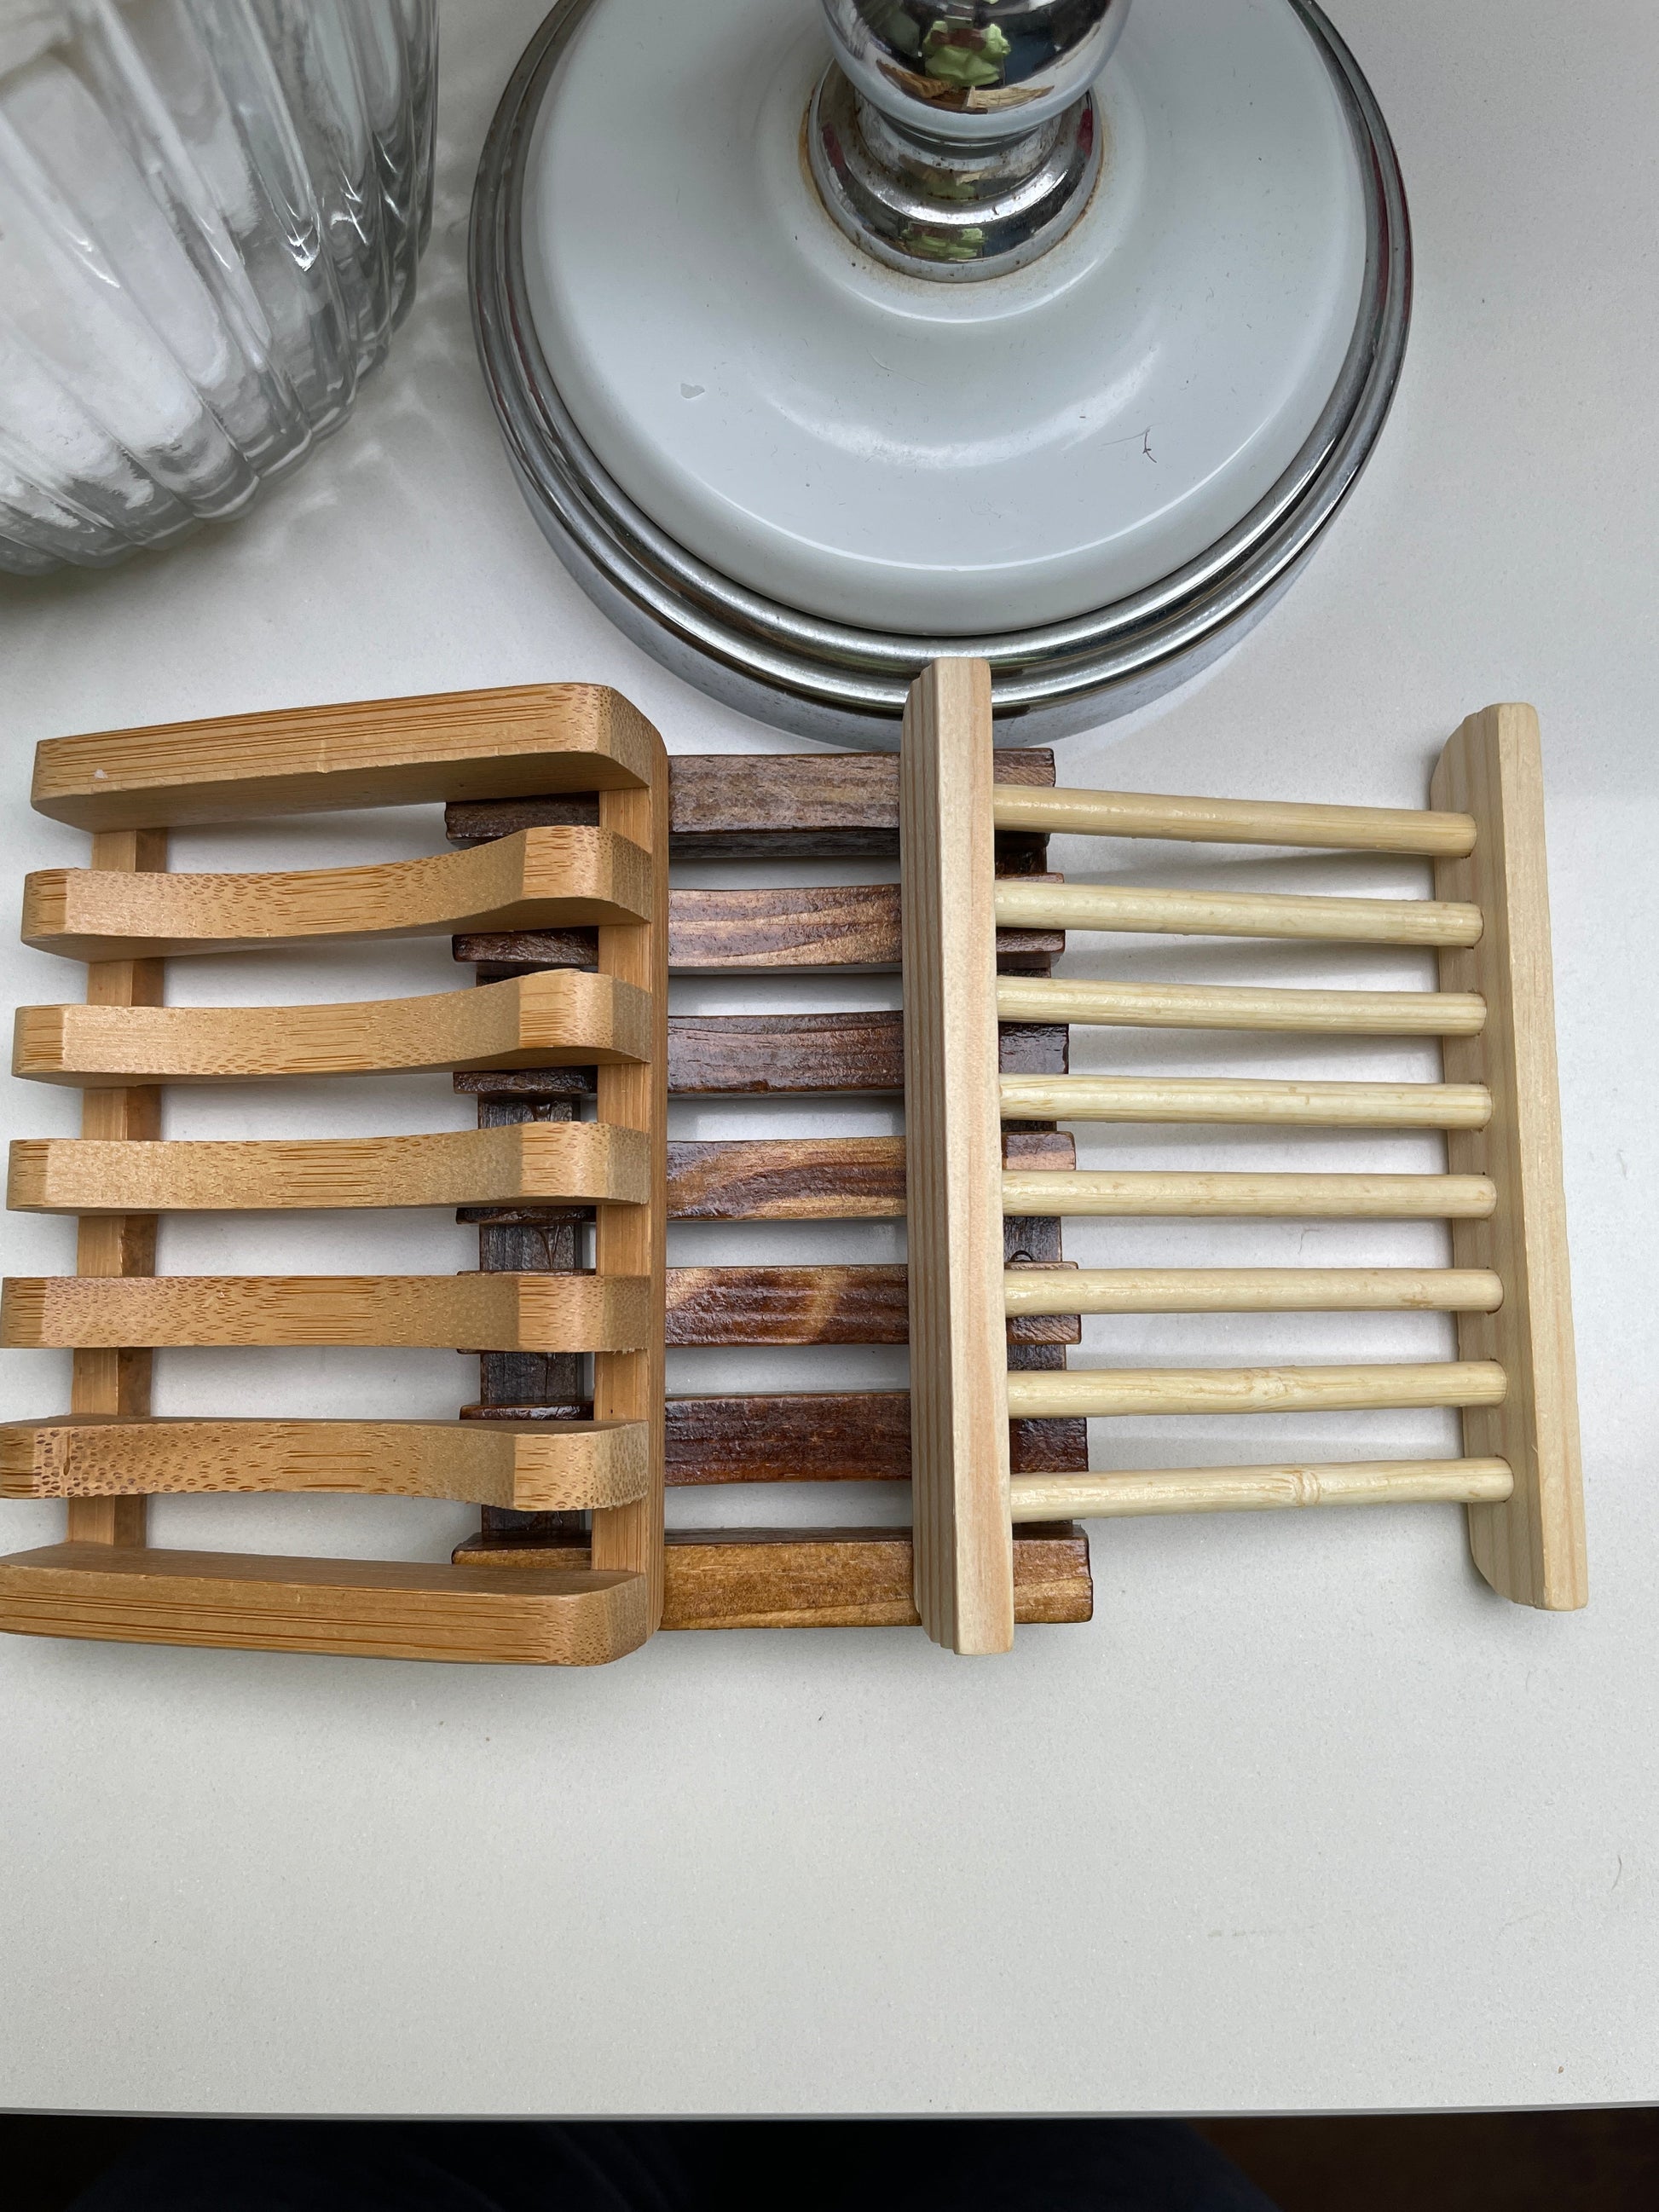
pixel 536 1467
pixel 1261 1489
pixel 515 743
pixel 457 1313
pixel 1033 904
pixel 355 1608
pixel 545 1162
pixel 1101 1391
pixel 1323 1105
pixel 1250 1290
pixel 1317 1197
pixel 537 879
pixel 1227 1007
pixel 566 1018
pixel 1232 821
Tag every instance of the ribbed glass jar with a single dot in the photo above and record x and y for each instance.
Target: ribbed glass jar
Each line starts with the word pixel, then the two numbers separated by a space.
pixel 210 214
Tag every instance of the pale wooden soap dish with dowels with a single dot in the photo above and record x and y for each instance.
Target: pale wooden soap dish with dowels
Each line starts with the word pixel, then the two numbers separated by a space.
pixel 1501 1194
pixel 125 916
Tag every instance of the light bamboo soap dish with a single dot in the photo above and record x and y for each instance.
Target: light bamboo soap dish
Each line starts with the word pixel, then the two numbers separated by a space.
pixel 127 917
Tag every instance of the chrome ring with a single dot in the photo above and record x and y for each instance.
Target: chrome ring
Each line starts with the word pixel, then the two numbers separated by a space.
pixel 825 679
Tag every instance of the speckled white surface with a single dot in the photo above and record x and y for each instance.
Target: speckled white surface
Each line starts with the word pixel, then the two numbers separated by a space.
pixel 1305 1819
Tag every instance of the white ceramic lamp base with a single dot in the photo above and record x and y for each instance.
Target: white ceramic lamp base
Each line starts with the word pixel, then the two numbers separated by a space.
pixel 795 471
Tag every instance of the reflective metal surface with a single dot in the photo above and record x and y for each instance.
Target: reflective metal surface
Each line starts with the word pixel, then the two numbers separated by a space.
pixel 958 141
pixel 948 211
pixel 831 680
pixel 972 72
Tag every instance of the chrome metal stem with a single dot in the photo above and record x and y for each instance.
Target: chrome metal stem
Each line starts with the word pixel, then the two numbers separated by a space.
pixel 958 138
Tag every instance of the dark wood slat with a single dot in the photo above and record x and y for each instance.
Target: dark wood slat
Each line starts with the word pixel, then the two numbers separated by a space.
pixel 758 806
pixel 477 821
pixel 528 1082
pixel 551 1245
pixel 713 1055
pixel 710 1307
pixel 817 1178
pixel 818 1577
pixel 809 1436
pixel 791 931
pixel 497 954
pixel 788 1179
pixel 758 1055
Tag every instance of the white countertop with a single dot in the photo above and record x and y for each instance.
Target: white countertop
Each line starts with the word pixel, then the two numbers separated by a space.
pixel 1306 1818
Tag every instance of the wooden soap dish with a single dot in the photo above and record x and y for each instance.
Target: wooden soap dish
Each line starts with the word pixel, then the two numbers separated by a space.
pixel 126 917
pixel 563 814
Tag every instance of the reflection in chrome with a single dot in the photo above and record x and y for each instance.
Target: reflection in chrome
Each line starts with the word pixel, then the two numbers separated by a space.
pixel 959 140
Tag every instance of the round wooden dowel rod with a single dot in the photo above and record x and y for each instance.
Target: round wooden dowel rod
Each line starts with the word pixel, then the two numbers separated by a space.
pixel 1024 904
pixel 1319 1197
pixel 1259 1489
pixel 1225 1007
pixel 1063 1395
pixel 1233 821
pixel 1250 1290
pixel 1326 1105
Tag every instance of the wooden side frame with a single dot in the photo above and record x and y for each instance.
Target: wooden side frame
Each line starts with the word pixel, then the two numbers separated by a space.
pixel 964 1570
pixel 1530 1547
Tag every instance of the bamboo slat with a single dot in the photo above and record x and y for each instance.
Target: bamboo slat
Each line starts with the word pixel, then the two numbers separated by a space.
pixel 1165 1098
pixel 1101 1391
pixel 1249 1290
pixel 1233 821
pixel 1330 1197
pixel 1023 905
pixel 1260 1489
pixel 1225 1007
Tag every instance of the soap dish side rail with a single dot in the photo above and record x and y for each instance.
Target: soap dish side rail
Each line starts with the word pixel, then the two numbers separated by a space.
pixel 1501 1194
pixel 110 1454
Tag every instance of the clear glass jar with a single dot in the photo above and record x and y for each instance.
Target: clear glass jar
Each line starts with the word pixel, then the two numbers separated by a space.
pixel 210 214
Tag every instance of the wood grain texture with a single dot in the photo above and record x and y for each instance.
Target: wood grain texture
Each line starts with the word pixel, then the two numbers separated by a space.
pixel 1249 1290
pixel 1224 1006
pixel 786 806
pixel 758 1055
pixel 815 1178
pixel 539 880
pixel 533 1468
pixel 119 1243
pixel 1325 1197
pixel 582 1162
pixel 565 1017
pixel 1233 821
pixel 797 929
pixel 371 752
pixel 829 1435
pixel 1260 1489
pixel 460 1313
pixel 1181 1099
pixel 1047 905
pixel 763 1055
pixel 861 1304
pixel 813 1436
pixel 632 1241
pixel 824 1578
pixel 360 1608
pixel 1530 1548
pixel 1101 1391
pixel 958 1403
